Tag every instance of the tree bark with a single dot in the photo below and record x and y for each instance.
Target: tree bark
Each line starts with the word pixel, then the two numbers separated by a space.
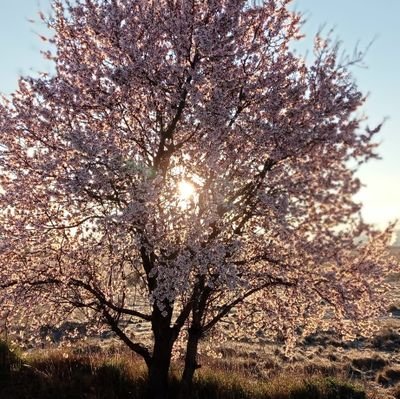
pixel 195 332
pixel 158 370
pixel 191 364
pixel 164 339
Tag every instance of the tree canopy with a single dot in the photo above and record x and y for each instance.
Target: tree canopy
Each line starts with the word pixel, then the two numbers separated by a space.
pixel 182 162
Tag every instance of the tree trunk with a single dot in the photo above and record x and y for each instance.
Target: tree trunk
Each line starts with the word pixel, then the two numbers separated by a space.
pixel 158 370
pixel 164 339
pixel 195 332
pixel 191 364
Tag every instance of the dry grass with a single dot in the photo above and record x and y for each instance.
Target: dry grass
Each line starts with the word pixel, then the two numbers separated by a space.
pixel 68 375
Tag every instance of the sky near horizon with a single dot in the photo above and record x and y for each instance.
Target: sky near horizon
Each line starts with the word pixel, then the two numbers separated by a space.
pixel 355 23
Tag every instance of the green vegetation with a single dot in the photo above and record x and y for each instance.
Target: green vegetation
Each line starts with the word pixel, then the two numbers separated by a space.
pixel 65 375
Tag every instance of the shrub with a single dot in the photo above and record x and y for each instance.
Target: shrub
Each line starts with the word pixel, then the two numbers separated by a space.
pixel 9 359
pixel 389 376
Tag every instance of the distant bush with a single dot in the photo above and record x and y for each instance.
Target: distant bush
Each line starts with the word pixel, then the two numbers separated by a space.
pixel 369 363
pixel 387 340
pixel 390 376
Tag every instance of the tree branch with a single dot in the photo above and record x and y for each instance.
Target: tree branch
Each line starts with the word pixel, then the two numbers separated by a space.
pixel 103 301
pixel 136 347
pixel 229 306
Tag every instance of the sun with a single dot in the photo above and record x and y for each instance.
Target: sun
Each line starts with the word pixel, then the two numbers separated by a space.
pixel 186 190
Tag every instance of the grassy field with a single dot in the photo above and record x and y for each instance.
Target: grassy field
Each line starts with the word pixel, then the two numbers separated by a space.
pixel 322 368
pixel 115 374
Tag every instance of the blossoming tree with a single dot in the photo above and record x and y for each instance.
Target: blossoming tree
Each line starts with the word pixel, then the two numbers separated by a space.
pixel 182 163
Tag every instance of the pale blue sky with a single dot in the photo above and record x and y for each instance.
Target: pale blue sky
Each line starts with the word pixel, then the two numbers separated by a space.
pixel 355 21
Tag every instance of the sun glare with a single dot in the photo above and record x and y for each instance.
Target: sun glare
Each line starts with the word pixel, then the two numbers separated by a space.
pixel 186 190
